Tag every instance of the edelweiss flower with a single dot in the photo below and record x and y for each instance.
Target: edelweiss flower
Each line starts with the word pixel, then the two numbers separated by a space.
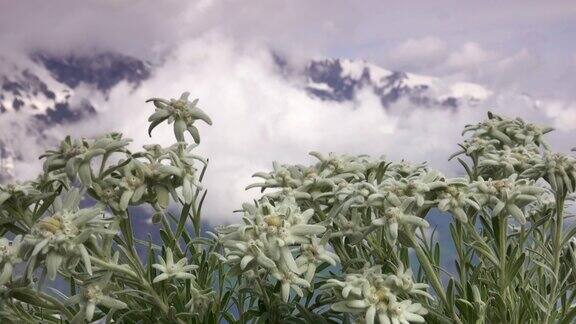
pixel 395 216
pixel 22 192
pixel 314 254
pixel 351 225
pixel 476 146
pixel 403 312
pixel 289 280
pixel 75 155
pixel 272 233
pixel 455 198
pixel 182 112
pixel 182 167
pixel 132 183
pixel 169 269
pixel 342 165
pixel 393 191
pixel 403 281
pixel 493 128
pixel 558 169
pixel 354 194
pixel 60 237
pixel 90 297
pixel 9 257
pixel 508 195
pixel 375 295
pixel 283 176
pixel 405 169
pixel 200 301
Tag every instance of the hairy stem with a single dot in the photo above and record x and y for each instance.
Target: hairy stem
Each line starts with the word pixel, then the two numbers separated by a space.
pixel 432 275
pixel 502 254
pixel 557 247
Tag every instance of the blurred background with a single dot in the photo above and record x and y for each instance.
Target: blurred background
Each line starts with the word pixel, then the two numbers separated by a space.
pixel 282 78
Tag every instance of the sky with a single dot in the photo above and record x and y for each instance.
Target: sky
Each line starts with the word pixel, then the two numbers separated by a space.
pixel 220 51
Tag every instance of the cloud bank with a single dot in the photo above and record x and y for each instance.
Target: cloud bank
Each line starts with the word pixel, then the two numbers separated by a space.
pixel 260 116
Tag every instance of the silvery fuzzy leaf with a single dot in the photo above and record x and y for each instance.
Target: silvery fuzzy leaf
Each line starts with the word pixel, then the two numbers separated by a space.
pixel 194 133
pixel 53 261
pixel 6 274
pixel 138 193
pixel 162 196
pixel 197 113
pixel 112 303
pixel 179 128
pixel 289 260
pixel 265 261
pixel 285 291
pixel 125 199
pixel 516 213
pixel 358 304
pixel 370 314
pixel 187 191
pixel 307 229
pixel 245 261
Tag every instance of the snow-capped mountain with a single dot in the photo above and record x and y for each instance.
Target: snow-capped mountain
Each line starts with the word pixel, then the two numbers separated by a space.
pixel 44 86
pixel 42 91
pixel 341 79
pixel 46 90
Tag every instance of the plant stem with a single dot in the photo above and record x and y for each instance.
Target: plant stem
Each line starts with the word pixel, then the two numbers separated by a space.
pixel 432 276
pixel 502 254
pixel 56 303
pixel 114 267
pixel 117 268
pixel 557 249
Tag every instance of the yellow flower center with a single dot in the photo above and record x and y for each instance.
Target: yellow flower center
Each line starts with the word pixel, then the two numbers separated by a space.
pixel 273 220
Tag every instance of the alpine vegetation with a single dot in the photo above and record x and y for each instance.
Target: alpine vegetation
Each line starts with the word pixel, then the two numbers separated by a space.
pixel 346 239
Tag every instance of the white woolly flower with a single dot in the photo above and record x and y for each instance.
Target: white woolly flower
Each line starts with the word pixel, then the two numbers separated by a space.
pixel 395 216
pixel 376 295
pixel 9 256
pixel 314 254
pixel 403 312
pixel 90 297
pixel 403 281
pixel 169 269
pixel 273 237
pixel 289 280
pixel 455 198
pixel 61 236
pixel 199 301
pixel 508 195
pixel 269 234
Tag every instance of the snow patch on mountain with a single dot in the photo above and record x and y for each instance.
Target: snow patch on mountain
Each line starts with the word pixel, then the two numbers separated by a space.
pixel 342 79
pixel 42 91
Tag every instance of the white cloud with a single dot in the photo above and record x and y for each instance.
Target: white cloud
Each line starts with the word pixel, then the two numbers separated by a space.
pixel 471 55
pixel 563 115
pixel 418 52
pixel 260 117
pixel 519 70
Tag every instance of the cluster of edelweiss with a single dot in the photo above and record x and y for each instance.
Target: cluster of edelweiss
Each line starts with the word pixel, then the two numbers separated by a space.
pixel 290 232
pixel 64 234
pixel 345 198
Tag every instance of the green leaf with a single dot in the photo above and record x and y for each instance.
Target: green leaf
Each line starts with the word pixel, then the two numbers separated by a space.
pixel 155 123
pixel 515 268
pixel 182 222
pixel 570 317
